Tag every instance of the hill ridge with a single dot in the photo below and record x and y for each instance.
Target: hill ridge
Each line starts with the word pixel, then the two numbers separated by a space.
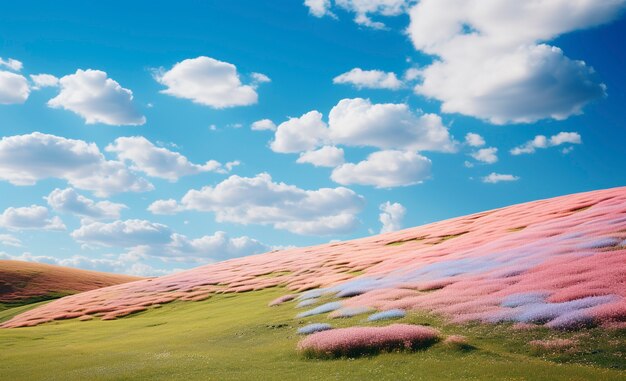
pixel 558 262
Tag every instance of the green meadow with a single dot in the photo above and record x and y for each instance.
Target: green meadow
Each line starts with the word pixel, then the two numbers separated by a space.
pixel 237 337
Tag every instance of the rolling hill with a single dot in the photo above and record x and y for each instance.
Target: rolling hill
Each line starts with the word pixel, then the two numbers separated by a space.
pixel 27 282
pixel 531 291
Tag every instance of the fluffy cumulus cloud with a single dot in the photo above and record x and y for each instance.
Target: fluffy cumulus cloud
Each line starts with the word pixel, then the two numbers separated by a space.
pixel 492 61
pixel 385 169
pixel 26 159
pixel 486 155
pixel 13 88
pixel 169 206
pixel 219 246
pixel 44 80
pixel 540 141
pixel 474 140
pixel 300 134
pixel 327 156
pixel 127 233
pixel 97 99
pixel 209 82
pixel 359 122
pixel 391 216
pixel 363 9
pixel 494 178
pixel 158 161
pixel 371 79
pixel 260 200
pixel 263 125
pixel 30 217
pixel 69 201
pixel 149 239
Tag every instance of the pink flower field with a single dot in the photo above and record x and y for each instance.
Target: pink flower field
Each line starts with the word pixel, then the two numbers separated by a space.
pixel 559 262
pixel 359 340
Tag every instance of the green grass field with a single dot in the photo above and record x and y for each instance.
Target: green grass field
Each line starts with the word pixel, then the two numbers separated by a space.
pixel 237 337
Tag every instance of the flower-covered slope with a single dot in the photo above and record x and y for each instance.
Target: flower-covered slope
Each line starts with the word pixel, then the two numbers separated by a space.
pixel 559 262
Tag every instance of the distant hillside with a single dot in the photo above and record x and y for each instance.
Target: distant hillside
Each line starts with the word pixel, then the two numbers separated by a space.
pixel 557 262
pixel 27 282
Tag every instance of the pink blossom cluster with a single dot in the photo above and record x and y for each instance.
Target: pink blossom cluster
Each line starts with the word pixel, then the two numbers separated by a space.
pixel 355 341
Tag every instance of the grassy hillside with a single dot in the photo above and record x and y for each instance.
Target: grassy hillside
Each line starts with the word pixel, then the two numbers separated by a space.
pixel 238 337
pixel 536 291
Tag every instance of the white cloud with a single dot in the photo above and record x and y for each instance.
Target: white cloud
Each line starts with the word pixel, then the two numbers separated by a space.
pixel 209 82
pixel 9 240
pixel 372 79
pixel 486 155
pixel 26 159
pixel 492 63
pixel 327 156
pixel 169 206
pixel 493 178
pixel 127 233
pixel 263 124
pixel 258 78
pixel 359 122
pixel 362 9
pixel 11 64
pixel 30 217
pixel 474 140
pixel 148 239
pixel 157 161
pixel 13 88
pixel 565 137
pixel 97 98
pixel 69 201
pixel 218 246
pixel 541 141
pixel 318 8
pixel 260 200
pixel 44 80
pixel 391 216
pixel 300 134
pixel 385 169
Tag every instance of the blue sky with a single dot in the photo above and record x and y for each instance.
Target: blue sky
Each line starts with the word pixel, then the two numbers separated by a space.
pixel 155 102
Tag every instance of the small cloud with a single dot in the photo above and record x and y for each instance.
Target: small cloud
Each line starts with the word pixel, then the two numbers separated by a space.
pixel 11 64
pixel 474 140
pixel 44 80
pixel 263 125
pixel 258 78
pixel 486 155
pixel 30 217
pixel 391 216
pixel 158 161
pixel 540 142
pixel 14 88
pixel 494 178
pixel 209 82
pixel 369 79
pixel 97 98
